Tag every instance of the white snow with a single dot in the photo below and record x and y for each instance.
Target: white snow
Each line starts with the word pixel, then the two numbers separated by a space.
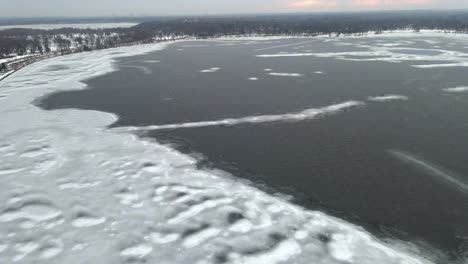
pixel 200 237
pixel 388 53
pixel 137 251
pixel 282 252
pixel 33 211
pixel 242 226
pixel 96 225
pixel 3 75
pixel 215 69
pixel 88 221
pixel 285 74
pixel 159 238
pixel 16 57
pixel 387 98
pixel 306 114
pixel 459 89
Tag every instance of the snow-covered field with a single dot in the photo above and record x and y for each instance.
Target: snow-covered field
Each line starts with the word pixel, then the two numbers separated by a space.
pixel 74 191
pixel 82 26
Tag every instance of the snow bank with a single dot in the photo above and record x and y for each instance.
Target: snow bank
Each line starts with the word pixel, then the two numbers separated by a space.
pixel 3 75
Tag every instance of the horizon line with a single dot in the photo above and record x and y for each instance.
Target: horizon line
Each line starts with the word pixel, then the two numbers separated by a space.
pixel 239 14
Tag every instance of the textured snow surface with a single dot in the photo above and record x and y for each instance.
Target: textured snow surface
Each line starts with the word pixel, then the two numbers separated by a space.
pixel 75 192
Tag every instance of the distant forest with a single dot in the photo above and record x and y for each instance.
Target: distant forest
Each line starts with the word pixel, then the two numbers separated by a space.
pixel 15 42
pixel 313 24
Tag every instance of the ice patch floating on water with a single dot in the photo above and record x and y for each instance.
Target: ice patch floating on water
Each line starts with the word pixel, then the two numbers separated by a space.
pixel 253 79
pixel 75 192
pixel 460 89
pixel 210 70
pixel 387 98
pixel 289 117
pixel 441 65
pixel 285 74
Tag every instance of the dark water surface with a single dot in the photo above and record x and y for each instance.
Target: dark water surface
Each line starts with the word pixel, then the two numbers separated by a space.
pixel 345 162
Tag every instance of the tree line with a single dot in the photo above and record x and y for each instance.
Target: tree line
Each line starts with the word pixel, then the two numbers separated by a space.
pixel 33 41
pixel 312 24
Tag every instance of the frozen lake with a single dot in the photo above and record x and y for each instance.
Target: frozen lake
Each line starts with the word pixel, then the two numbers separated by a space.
pixel 370 130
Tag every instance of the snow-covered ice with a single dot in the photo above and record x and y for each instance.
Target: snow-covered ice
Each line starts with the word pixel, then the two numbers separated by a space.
pixel 214 69
pixel 306 114
pixel 388 98
pixel 69 185
pixel 442 58
pixel 285 74
pixel 460 89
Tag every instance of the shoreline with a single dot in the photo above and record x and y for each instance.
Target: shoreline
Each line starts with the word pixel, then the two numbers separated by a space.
pixel 390 33
pixel 24 62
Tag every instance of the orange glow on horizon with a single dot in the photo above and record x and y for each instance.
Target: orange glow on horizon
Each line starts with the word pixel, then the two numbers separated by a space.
pixel 383 3
pixel 369 4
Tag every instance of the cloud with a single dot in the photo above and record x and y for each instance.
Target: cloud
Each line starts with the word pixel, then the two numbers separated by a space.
pixel 314 3
pixel 386 3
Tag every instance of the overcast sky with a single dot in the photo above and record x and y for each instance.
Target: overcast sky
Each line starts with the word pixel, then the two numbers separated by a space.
pixel 34 8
